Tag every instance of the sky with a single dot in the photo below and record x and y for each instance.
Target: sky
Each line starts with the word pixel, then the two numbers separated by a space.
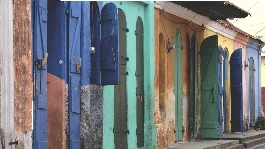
pixel 254 24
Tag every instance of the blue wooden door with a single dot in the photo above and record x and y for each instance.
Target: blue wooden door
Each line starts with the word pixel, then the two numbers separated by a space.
pixel 225 73
pixel 40 70
pixel 74 65
pixel 236 91
pixel 220 91
pixel 109 49
pixel 95 43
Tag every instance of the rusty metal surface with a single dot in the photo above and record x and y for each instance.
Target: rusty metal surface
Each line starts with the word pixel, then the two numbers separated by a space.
pixel 214 9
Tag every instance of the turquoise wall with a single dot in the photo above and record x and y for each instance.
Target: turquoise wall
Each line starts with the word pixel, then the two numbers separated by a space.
pixel 132 10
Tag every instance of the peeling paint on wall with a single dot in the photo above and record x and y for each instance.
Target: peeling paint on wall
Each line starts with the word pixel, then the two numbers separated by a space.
pixel 166 24
pixel 23 83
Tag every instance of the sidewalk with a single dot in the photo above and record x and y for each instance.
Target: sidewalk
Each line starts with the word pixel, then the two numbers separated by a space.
pixel 251 139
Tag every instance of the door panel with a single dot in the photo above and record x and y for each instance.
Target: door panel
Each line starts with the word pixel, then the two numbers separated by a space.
pixel 251 88
pixel 178 84
pixel 209 97
pixel 40 69
pixel 195 79
pixel 220 91
pixel 140 82
pixel 236 91
pixel 109 49
pixel 120 96
pixel 74 73
pixel 95 43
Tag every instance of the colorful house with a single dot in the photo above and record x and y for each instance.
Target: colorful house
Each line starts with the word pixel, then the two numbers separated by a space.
pixel 196 95
pixel 125 74
pixel 128 120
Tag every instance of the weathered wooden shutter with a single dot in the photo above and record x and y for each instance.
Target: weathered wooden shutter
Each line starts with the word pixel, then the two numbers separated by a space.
pixel 236 91
pixel 74 73
pixel 178 84
pixel 220 91
pixel 95 43
pixel 225 73
pixel 40 69
pixel 140 82
pixel 194 46
pixel 251 89
pixel 209 94
pixel 109 49
pixel 120 95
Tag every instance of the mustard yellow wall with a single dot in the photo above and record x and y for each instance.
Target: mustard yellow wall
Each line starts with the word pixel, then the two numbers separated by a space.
pixel 228 43
pixel 262 65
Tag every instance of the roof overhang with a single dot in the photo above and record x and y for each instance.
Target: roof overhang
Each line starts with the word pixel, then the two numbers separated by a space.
pixel 215 10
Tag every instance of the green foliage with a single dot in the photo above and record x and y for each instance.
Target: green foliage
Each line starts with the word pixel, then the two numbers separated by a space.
pixel 260 123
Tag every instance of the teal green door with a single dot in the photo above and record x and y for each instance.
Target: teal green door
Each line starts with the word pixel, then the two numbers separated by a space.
pixel 178 84
pixel 209 86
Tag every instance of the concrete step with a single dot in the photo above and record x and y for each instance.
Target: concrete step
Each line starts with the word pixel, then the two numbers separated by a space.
pixel 205 144
pixel 260 146
pixel 236 146
pixel 254 142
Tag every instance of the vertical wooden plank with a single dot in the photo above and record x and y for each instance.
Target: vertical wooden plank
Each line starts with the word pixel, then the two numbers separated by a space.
pixel 120 95
pixel 236 91
pixel 140 82
pixel 209 74
pixel 178 84
pixel 95 43
pixel 109 49
pixel 251 91
pixel 195 80
pixel 40 70
pixel 74 64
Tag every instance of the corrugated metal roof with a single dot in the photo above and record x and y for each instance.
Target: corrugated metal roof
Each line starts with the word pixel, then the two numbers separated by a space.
pixel 215 10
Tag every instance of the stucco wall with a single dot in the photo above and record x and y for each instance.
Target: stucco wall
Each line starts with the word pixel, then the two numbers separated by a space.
pixel 165 28
pixel 23 85
pixel 6 75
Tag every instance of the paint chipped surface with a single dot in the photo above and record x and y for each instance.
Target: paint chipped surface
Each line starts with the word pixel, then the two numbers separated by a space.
pixel 56 112
pixel 23 85
pixel 164 65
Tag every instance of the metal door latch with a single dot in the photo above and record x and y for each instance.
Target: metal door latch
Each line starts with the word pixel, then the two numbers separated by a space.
pixel 78 65
pixel 40 62
pixel 126 131
pixel 12 143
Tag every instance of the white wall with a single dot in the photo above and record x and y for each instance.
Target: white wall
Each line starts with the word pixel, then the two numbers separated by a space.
pixel 6 74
